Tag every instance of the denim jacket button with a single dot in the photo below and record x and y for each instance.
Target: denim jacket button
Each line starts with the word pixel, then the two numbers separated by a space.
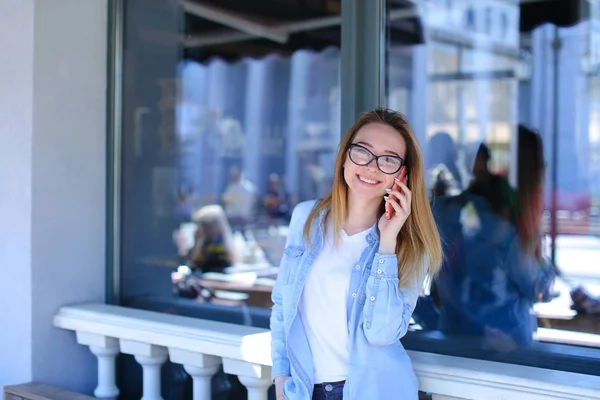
pixel 379 271
pixel 372 298
pixel 381 261
pixel 353 294
pixel 357 266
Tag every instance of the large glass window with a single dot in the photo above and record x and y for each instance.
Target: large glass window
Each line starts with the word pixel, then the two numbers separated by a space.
pixel 231 116
pixel 503 96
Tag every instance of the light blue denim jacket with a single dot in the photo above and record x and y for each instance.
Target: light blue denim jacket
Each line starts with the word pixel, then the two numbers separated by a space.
pixel 378 314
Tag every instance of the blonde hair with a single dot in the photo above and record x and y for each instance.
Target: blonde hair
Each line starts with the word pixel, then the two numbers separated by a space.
pixel 212 218
pixel 418 244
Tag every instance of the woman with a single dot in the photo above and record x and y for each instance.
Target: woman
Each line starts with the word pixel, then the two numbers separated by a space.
pixel 351 273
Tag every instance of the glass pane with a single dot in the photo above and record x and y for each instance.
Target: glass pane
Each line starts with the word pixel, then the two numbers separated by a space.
pixel 503 96
pixel 226 127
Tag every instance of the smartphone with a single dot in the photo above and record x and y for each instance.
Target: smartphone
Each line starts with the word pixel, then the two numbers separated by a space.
pixel 389 210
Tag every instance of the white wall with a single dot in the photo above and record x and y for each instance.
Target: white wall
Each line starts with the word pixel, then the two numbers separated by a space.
pixel 56 171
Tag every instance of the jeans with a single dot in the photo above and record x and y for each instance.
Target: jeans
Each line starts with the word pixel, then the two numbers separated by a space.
pixel 328 391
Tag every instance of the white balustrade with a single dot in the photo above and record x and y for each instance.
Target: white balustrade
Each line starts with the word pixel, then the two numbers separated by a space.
pixel 151 376
pixel 201 368
pixel 106 350
pixel 255 377
pixel 151 358
pixel 201 346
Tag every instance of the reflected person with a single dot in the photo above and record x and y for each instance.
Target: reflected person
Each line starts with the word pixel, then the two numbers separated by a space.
pixel 442 152
pixel 352 271
pixel 239 200
pixel 493 271
pixel 276 200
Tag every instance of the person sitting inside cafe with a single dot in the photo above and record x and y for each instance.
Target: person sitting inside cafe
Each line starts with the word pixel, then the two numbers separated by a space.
pixel 213 249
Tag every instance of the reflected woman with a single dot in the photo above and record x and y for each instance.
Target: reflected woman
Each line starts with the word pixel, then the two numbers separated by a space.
pixel 353 268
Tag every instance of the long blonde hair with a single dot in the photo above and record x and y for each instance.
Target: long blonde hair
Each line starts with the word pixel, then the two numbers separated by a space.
pixel 212 221
pixel 418 244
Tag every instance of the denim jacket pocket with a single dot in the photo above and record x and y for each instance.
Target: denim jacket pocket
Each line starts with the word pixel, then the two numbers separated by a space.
pixel 291 262
pixel 294 251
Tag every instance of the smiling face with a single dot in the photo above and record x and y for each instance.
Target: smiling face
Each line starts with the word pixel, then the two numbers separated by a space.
pixel 368 182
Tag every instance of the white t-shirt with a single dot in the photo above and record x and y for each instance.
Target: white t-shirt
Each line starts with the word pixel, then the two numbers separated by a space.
pixel 323 305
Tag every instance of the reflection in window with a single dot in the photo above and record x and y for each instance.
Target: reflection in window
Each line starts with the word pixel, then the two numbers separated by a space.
pixel 256 137
pixel 224 133
pixel 225 130
pixel 513 214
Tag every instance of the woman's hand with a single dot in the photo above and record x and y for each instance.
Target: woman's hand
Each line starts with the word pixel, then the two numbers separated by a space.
pixel 399 197
pixel 279 381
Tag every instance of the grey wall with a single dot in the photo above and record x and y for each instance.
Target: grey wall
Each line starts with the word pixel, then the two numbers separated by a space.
pixel 16 138
pixel 52 191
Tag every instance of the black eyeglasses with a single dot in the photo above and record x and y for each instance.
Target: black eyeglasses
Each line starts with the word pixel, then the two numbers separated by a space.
pixel 362 156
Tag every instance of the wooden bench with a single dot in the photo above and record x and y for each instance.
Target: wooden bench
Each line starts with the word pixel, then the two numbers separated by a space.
pixel 40 391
